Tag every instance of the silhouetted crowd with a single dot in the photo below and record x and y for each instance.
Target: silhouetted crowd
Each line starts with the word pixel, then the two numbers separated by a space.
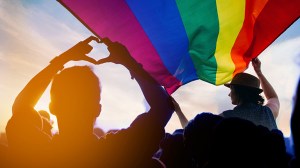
pixel 245 137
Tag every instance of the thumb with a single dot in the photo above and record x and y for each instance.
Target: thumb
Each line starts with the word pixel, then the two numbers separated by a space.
pixel 104 60
pixel 91 38
pixel 89 59
pixel 106 41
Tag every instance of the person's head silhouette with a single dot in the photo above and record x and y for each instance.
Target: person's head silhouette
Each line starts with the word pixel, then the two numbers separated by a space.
pixel 75 99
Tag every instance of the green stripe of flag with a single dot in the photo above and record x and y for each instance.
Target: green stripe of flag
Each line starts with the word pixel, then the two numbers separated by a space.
pixel 201 23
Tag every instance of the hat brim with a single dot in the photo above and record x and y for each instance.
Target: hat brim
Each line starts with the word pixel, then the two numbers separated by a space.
pixel 252 88
pixel 227 85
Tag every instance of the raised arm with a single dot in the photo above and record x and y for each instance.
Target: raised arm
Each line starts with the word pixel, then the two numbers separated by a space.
pixel 183 120
pixel 26 100
pixel 156 96
pixel 271 96
pixel 295 120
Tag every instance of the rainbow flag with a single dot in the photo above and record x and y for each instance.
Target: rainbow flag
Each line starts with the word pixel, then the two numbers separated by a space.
pixel 178 41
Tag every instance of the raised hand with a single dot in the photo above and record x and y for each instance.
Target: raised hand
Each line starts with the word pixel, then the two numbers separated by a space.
pixel 270 94
pixel 256 65
pixel 79 51
pixel 183 120
pixel 118 53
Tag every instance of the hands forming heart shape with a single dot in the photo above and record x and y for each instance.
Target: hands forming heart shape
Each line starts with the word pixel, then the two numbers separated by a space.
pixel 118 52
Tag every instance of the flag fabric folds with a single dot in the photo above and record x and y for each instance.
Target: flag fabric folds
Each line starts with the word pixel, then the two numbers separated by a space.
pixel 179 41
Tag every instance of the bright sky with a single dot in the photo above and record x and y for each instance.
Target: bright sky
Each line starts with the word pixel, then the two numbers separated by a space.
pixel 32 32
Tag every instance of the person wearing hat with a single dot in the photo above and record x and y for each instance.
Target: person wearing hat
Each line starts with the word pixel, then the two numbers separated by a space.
pixel 245 94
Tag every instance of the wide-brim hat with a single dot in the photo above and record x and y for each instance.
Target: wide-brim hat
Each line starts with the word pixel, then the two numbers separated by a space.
pixel 246 80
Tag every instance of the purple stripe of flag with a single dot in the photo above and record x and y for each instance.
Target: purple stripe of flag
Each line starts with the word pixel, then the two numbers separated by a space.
pixel 115 20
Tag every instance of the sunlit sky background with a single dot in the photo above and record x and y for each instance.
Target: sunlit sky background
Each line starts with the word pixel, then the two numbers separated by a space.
pixel 32 32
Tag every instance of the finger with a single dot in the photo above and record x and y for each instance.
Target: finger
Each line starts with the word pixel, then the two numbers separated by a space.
pixel 87 49
pixel 254 63
pixel 172 99
pixel 89 59
pixel 258 60
pixel 106 41
pixel 97 40
pixel 104 60
pixel 91 38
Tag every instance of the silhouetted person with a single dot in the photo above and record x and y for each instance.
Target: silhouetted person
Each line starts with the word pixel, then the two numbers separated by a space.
pixel 47 123
pixel 3 138
pixel 295 128
pixel 239 143
pixel 99 132
pixel 4 159
pixel 173 152
pixel 198 137
pixel 112 131
pixel 182 118
pixel 245 94
pixel 75 101
pixel 272 148
pixel 44 114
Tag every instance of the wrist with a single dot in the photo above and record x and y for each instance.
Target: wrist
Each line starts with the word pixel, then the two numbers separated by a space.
pixel 131 64
pixel 134 69
pixel 58 61
pixel 257 70
pixel 259 73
